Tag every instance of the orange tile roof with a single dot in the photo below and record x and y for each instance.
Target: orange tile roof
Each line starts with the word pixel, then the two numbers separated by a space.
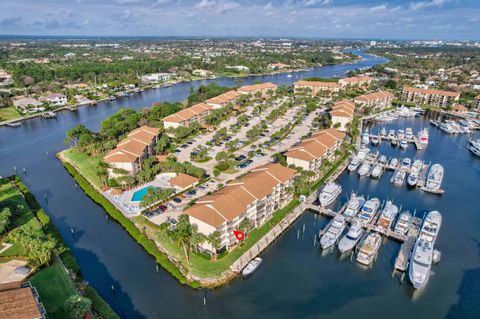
pixel 187 113
pixel 343 108
pixel 119 156
pixel 133 146
pixel 317 145
pixel 459 108
pixel 233 200
pixel 430 91
pixel 18 303
pixel 318 84
pixel 256 87
pixel 183 180
pixel 224 98
pixel 354 79
pixel 374 96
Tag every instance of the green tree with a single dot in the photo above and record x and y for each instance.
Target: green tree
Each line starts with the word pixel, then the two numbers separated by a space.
pixel 196 238
pixel 5 215
pixel 77 306
pixel 162 144
pixel 215 240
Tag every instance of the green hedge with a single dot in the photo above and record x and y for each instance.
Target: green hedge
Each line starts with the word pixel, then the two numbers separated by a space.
pixel 70 262
pixel 129 226
pixel 103 309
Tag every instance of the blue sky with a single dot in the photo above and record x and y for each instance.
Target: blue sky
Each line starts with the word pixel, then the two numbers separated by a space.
pixel 391 19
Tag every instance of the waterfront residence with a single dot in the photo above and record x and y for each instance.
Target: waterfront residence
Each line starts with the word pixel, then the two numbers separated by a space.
pixel 255 196
pixel 310 153
pixel 55 99
pixel 360 81
pixel 342 114
pixel 223 99
pixel 183 181
pixel 316 86
pixel 278 66
pixel 155 77
pixel 131 151
pixel 76 86
pixel 265 89
pixel 28 104
pixel 429 96
pixel 5 78
pixel 19 301
pixel 185 117
pixel 376 100
pixel 477 102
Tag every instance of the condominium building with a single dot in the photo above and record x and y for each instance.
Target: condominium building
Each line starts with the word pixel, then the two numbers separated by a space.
pixel 263 88
pixel 342 114
pixel 355 80
pixel 375 100
pixel 310 153
pixel 429 96
pixel 187 116
pixel 314 87
pixel 130 152
pixel 255 197
pixel 224 99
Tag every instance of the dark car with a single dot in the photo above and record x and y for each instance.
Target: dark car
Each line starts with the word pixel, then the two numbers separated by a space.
pixel 191 193
pixel 177 151
pixel 240 158
pixel 162 208
pixel 184 146
pixel 189 142
pixel 177 200
pixel 248 162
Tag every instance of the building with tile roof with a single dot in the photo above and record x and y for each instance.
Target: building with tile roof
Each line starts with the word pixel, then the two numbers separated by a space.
pixel 20 302
pixel 429 96
pixel 342 114
pixel 316 86
pixel 185 117
pixel 376 100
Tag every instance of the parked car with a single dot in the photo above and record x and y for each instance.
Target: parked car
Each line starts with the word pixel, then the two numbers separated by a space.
pixel 177 200
pixel 177 151
pixel 184 146
pixel 240 158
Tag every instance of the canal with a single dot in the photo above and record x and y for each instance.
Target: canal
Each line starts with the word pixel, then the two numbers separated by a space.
pixel 296 280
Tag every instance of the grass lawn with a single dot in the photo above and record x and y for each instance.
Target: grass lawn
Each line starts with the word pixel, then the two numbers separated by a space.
pixel 8 113
pixel 201 160
pixel 9 196
pixel 87 164
pixel 200 265
pixel 54 287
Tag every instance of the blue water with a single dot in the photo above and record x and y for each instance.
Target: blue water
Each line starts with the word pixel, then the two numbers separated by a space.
pixel 138 195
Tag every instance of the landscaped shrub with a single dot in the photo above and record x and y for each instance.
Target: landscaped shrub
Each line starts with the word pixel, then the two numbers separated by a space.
pixel 102 308
pixel 70 262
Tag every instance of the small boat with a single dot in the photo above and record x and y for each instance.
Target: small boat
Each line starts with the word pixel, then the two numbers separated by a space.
pixel 14 124
pixel 383 132
pixel 406 164
pixel 394 141
pixel 372 156
pixel 354 205
pixel 391 134
pixel 399 177
pixel 382 159
pixel 365 137
pixel 434 179
pixel 375 140
pixel 434 123
pixel 333 232
pixel 329 193
pixel 421 263
pixel 362 153
pixel 387 216
pixel 369 249
pixel 364 169
pixel 474 148
pixel 447 127
pixel 393 163
pixel 403 144
pixel 252 266
pixel 423 136
pixel 403 223
pixel 431 226
pixel 354 163
pixel 401 134
pixel 369 210
pixel 412 178
pixel 351 238
pixel 409 133
pixel 112 97
pixel 377 171
pixel 49 115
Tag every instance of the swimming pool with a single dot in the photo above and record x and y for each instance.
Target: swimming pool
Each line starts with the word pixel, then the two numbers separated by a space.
pixel 138 195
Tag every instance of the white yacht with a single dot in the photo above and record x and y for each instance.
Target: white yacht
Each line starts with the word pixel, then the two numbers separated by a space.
pixel 421 263
pixel 375 140
pixel 405 112
pixel 398 177
pixel 383 132
pixel 362 153
pixel 401 134
pixel 364 169
pixel 365 137
pixel 333 232
pixel 252 266
pixel 412 179
pixel 403 223
pixel 393 163
pixel 434 179
pixel 377 171
pixel 382 159
pixel 387 215
pixel 372 156
pixel 409 133
pixel 391 134
pixel 354 163
pixel 369 210
pixel 354 205
pixel 406 164
pixel 447 127
pixel 423 136
pixel 351 238
pixel 474 146
pixel 431 226
pixel 329 193
pixel 369 249
pixel 403 144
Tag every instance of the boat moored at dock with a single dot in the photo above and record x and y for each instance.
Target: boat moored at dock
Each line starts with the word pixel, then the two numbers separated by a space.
pixel 369 249
pixel 354 205
pixel 351 238
pixel 387 216
pixel 404 222
pixel 333 233
pixel 369 210
pixel 252 266
pixel 421 263
pixel 434 179
pixel 329 193
pixel 431 226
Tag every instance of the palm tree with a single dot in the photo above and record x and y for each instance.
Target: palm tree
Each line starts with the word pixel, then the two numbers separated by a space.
pixel 215 240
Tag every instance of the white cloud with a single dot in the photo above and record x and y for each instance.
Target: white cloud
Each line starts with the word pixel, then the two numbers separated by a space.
pixel 378 8
pixel 217 6
pixel 311 3
pixel 427 4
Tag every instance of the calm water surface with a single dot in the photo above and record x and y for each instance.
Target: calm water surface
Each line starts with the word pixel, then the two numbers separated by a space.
pixel 296 279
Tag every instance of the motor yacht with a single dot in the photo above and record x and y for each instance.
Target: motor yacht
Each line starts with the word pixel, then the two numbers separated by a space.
pixel 369 210
pixel 403 223
pixel 354 205
pixel 351 238
pixel 369 248
pixel 333 232
pixel 329 193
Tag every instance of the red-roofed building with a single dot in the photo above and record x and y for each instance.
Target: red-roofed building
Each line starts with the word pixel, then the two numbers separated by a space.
pixel 429 96
pixel 376 100
pixel 316 86
pixel 342 114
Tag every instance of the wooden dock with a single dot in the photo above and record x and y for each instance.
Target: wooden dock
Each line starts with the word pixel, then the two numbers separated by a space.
pixel 404 254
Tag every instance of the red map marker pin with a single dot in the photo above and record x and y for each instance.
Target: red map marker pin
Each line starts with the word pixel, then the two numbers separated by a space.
pixel 239 235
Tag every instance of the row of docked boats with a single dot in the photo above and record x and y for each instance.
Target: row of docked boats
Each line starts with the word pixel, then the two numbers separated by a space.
pixel 399 138
pixel 390 116
pixel 462 126
pixel 474 146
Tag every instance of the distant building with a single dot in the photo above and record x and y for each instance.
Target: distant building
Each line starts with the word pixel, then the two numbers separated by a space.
pixel 376 100
pixel 156 77
pixel 429 96
pixel 28 104
pixel 78 86
pixel 316 86
pixel 355 80
pixel 311 152
pixel 239 68
pixel 224 99
pixel 56 99
pixel 20 302
pixel 132 151
pixel 277 66
pixel 195 113
pixel 255 196
pixel 202 73
pixel 5 78
pixel 263 88
pixel 126 58
pixel 342 114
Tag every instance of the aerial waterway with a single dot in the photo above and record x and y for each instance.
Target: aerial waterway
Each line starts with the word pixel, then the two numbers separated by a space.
pixel 295 280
